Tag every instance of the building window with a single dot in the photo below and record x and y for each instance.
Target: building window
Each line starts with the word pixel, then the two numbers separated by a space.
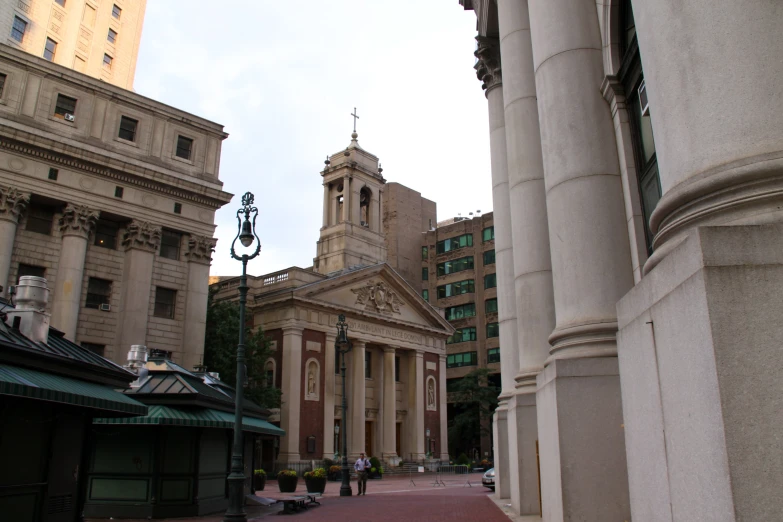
pixel 18 29
pixel 491 306
pixel 61 3
pixel 2 84
pixel 397 368
pixel 490 281
pixel 178 208
pixel 49 49
pixel 128 127
pixel 489 257
pixel 457 265
pixel 65 108
pixel 269 374
pixel 106 233
pixel 492 330
pixel 367 364
pixel 425 294
pixel 184 147
pixel 456 360
pixel 461 287
pixel 169 244
pixel 460 312
pixel 488 234
pixel 493 355
pixel 462 335
pixel 98 349
pixel 40 219
pixel 447 245
pixel 165 302
pixel 425 273
pixel 98 293
pixel 30 270
pixel 107 60
pixel 53 174
pixel 160 354
pixel 116 12
pixel 424 253
pixel 118 192
pixel 112 36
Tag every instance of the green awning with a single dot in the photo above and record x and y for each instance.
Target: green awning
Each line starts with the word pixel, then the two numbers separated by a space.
pixel 34 384
pixel 160 415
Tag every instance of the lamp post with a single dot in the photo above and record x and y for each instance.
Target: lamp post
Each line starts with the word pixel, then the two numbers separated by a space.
pixel 336 438
pixel 246 233
pixel 343 346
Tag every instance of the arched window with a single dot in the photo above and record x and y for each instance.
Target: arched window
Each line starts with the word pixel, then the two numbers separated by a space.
pixel 269 373
pixel 365 196
pixel 632 77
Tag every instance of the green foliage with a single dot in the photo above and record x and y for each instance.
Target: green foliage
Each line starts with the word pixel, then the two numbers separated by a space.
pixel 375 462
pixel 463 460
pixel 335 469
pixel 328 463
pixel 475 400
pixel 286 473
pixel 220 352
pixel 259 472
pixel 373 470
pixel 317 473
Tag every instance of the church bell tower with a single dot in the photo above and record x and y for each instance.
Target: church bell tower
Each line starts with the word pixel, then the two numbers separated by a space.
pixel 352 230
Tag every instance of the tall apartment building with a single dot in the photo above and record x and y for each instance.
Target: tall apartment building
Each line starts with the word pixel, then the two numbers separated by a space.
pixel 95 37
pixel 458 275
pixel 111 197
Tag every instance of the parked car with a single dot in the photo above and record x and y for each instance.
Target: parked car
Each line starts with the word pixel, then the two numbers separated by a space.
pixel 488 479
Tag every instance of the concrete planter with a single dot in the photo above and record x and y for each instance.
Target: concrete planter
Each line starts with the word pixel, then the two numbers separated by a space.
pixel 315 485
pixel 287 484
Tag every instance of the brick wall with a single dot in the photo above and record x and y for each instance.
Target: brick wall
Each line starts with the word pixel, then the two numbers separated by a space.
pixel 311 416
pixel 432 418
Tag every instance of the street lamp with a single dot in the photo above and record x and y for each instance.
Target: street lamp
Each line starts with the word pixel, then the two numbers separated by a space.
pixel 246 234
pixel 343 346
pixel 336 438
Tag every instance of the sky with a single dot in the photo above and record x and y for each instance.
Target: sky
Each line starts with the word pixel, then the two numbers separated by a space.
pixel 283 77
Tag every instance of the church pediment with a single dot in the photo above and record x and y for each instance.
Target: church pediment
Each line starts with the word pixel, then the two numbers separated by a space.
pixel 377 291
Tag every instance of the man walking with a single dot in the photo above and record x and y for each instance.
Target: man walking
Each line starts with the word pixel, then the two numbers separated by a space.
pixel 362 466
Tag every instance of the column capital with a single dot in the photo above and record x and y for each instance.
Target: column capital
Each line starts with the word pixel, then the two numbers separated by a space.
pixel 142 235
pixel 442 357
pixel 12 203
pixel 292 329
pixel 419 353
pixel 389 349
pixel 488 68
pixel 200 249
pixel 358 342
pixel 78 220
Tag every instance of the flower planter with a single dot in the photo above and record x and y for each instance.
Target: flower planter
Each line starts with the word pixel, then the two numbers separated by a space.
pixel 259 481
pixel 315 485
pixel 336 476
pixel 287 484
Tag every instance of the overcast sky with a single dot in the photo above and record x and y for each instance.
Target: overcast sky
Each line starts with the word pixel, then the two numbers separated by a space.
pixel 283 76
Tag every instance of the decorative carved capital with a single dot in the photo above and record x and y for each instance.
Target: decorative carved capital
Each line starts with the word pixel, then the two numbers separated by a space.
pixel 378 297
pixel 371 413
pixel 488 69
pixel 142 235
pixel 12 203
pixel 200 249
pixel 401 414
pixel 78 220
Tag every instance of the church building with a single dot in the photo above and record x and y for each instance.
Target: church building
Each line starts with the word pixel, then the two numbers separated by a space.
pixel 396 369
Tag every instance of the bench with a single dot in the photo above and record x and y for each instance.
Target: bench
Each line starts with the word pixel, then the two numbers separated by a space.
pixel 299 503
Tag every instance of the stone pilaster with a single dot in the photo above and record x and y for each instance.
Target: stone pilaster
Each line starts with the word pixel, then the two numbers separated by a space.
pixel 389 429
pixel 141 240
pixel 292 393
pixel 416 433
pixel 356 401
pixel 329 395
pixel 346 217
pixel 12 204
pixel 199 256
pixel 443 409
pixel 76 225
pixel 326 207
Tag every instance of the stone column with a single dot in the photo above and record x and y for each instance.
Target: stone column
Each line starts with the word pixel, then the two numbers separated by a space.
pixel 443 409
pixel 488 69
pixel 199 256
pixel 389 430
pixel 579 411
pixel 326 206
pixel 12 204
pixel 141 241
pixel 292 393
pixel 416 433
pixel 329 395
pixel 76 226
pixel 346 198
pixel 356 402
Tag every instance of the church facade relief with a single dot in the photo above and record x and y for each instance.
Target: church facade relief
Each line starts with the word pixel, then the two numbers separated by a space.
pixel 312 380
pixel 432 396
pixel 378 297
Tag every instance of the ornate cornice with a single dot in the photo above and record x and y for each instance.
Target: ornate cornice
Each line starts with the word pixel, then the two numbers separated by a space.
pixel 12 203
pixel 200 249
pixel 123 177
pixel 142 235
pixel 488 67
pixel 78 220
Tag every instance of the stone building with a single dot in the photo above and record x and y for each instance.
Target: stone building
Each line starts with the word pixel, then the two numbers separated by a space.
pixel 100 39
pixel 638 279
pixel 395 377
pixel 458 275
pixel 111 197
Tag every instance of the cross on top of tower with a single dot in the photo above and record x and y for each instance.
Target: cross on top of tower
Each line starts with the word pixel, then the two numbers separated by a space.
pixel 355 117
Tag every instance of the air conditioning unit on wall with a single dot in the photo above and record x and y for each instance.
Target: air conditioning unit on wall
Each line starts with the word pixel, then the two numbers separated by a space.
pixel 105 308
pixel 69 116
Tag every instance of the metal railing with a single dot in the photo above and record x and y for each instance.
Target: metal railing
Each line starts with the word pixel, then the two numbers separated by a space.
pixel 300 467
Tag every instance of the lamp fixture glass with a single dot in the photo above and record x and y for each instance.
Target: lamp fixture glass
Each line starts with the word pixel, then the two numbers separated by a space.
pixel 246 236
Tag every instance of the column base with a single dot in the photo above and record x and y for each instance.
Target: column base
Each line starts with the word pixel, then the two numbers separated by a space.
pixel 581 441
pixel 523 437
pixel 501 457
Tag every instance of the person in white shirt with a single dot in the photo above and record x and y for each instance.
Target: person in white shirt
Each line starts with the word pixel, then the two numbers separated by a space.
pixel 362 466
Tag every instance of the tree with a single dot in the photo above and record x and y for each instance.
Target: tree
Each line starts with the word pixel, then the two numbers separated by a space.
pixel 220 352
pixel 475 400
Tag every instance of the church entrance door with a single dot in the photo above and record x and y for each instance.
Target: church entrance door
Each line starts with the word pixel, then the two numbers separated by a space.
pixel 368 439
